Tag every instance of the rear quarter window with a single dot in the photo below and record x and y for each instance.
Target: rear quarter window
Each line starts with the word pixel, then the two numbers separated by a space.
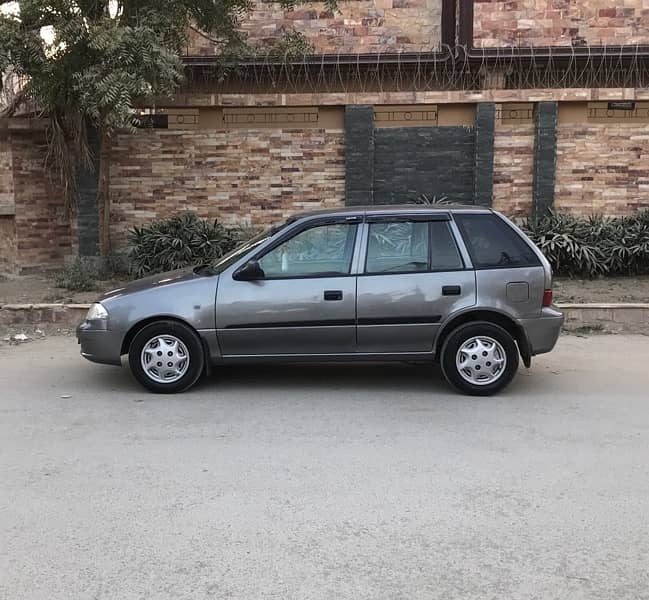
pixel 493 244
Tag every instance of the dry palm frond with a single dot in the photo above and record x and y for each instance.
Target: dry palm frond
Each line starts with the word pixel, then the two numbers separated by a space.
pixel 67 152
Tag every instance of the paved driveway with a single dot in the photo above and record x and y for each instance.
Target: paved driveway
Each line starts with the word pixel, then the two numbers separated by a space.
pixel 326 483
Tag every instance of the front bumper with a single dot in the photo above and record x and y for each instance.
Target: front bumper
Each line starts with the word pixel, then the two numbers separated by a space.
pixel 98 344
pixel 543 332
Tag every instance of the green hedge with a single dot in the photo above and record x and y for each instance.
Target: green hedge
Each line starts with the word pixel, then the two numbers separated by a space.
pixel 575 246
pixel 593 246
pixel 180 241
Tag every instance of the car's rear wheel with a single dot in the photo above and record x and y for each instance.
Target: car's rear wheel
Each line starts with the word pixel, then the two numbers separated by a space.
pixel 166 357
pixel 479 358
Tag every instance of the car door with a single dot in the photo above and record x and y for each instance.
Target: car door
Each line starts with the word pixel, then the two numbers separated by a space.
pixel 305 302
pixel 413 277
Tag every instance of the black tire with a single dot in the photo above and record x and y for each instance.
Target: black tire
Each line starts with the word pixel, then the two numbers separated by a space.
pixel 195 354
pixel 458 337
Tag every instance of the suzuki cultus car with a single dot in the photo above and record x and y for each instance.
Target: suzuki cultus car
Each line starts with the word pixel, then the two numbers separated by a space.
pixel 462 286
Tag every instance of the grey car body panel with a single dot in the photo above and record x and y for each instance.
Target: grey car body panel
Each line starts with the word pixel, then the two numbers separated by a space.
pixel 282 316
pixel 376 317
pixel 493 286
pixel 403 312
pixel 543 332
pixel 100 345
pixel 180 294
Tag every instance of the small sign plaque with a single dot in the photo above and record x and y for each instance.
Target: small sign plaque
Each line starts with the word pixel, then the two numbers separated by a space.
pixel 621 105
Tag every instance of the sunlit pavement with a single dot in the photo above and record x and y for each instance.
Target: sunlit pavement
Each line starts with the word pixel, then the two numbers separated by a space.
pixel 325 482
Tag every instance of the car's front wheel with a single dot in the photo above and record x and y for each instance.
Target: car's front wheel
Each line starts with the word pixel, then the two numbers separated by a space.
pixel 166 357
pixel 479 358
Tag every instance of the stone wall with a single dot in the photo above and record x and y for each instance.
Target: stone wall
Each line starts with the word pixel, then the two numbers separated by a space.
pixel 260 176
pixel 410 97
pixel 513 168
pixel 7 204
pixel 43 233
pixel 360 26
pixel 435 161
pixel 251 176
pixel 602 168
pixel 7 244
pixel 560 22
pixel 7 207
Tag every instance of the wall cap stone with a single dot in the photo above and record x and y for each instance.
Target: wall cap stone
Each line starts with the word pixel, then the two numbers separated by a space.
pixel 34 306
pixel 41 306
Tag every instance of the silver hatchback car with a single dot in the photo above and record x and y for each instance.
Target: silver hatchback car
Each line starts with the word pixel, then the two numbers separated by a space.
pixel 459 285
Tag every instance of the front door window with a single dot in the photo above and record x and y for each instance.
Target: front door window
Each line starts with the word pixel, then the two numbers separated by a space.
pixel 324 251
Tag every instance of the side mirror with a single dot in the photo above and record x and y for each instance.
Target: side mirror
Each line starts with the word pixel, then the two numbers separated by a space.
pixel 251 271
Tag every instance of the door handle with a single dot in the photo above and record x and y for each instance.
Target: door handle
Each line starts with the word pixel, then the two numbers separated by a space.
pixel 333 295
pixel 451 290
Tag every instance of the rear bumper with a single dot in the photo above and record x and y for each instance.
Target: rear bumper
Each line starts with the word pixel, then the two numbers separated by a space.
pixel 543 332
pixel 100 345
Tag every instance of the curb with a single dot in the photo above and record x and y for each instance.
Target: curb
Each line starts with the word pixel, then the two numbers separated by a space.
pixel 67 315
pixel 620 318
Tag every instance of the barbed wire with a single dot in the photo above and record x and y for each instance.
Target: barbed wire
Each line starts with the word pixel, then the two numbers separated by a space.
pixel 450 68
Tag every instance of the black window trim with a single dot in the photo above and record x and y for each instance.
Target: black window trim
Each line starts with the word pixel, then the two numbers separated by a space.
pixel 407 217
pixel 429 268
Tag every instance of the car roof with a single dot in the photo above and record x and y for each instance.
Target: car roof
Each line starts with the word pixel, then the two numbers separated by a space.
pixel 393 209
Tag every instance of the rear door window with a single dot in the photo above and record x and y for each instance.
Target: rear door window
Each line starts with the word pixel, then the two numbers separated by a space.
pixel 411 247
pixel 493 244
pixel 399 247
pixel 444 254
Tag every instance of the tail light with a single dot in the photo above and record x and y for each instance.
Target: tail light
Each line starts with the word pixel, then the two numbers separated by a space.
pixel 547 298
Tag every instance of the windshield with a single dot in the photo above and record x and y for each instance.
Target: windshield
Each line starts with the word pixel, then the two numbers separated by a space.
pixel 221 264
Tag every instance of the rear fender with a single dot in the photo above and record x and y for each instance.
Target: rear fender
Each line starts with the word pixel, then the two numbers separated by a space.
pixel 505 321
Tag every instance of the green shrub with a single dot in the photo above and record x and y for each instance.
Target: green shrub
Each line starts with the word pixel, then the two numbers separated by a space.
pixel 430 200
pixel 597 245
pixel 83 273
pixel 116 266
pixel 180 241
pixel 80 275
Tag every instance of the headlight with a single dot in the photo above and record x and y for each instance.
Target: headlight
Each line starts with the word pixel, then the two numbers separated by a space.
pixel 97 311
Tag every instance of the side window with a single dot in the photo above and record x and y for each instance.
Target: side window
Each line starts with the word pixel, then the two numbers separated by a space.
pixel 317 252
pixel 397 248
pixel 444 253
pixel 493 244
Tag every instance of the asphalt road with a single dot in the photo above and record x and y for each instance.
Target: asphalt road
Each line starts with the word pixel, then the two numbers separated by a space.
pixel 326 482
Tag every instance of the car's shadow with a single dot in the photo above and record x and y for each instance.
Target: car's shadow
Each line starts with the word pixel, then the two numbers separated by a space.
pixel 292 378
pixel 398 377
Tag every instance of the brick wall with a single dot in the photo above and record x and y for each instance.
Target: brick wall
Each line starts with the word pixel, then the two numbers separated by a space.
pixel 43 236
pixel 256 176
pixel 513 168
pixel 7 244
pixel 602 168
pixel 7 208
pixel 7 204
pixel 261 176
pixel 360 26
pixel 560 22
